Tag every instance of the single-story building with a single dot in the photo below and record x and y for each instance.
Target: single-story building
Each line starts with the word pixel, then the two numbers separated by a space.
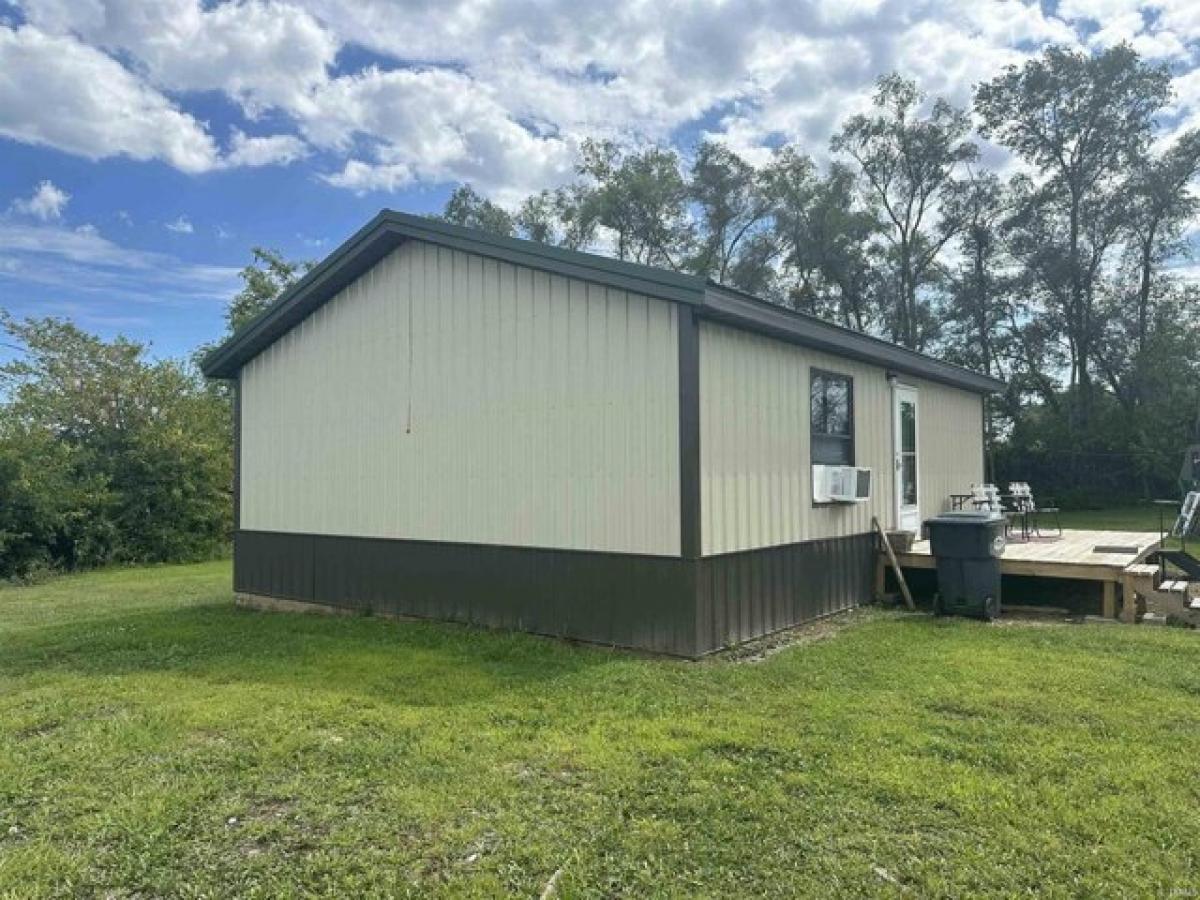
pixel 443 423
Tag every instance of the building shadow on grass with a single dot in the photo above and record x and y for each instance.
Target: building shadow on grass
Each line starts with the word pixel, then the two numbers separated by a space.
pixel 412 662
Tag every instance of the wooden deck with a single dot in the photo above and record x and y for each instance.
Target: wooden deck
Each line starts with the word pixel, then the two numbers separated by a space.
pixel 1071 556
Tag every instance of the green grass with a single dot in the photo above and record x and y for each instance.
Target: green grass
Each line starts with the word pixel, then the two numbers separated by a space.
pixel 1133 517
pixel 156 741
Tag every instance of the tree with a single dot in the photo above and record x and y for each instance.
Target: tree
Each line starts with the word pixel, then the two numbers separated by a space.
pixel 640 198
pixel 551 217
pixel 824 239
pixel 1081 120
pixel 268 276
pixel 468 208
pixel 732 207
pixel 907 161
pixel 1161 206
pixel 977 309
pixel 107 455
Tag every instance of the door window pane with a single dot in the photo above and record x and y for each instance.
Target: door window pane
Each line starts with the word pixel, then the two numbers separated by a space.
pixel 908 474
pixel 908 426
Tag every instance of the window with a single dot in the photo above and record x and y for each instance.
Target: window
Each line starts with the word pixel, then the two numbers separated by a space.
pixel 832 419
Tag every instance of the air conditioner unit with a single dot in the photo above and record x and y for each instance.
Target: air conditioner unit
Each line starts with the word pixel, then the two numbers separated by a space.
pixel 841 484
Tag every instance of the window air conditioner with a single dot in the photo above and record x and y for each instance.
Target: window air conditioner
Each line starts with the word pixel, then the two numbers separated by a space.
pixel 841 484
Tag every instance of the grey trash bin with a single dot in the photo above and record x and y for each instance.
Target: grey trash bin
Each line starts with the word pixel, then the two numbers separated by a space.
pixel 967 547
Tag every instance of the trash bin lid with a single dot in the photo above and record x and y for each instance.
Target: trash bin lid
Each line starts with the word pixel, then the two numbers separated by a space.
pixel 966 517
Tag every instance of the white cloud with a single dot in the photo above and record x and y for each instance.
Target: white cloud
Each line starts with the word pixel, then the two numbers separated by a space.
pixel 275 149
pixel 263 53
pixel 502 93
pixel 1181 17
pixel 59 92
pixel 46 202
pixel 180 225
pixel 429 125
pixel 1184 112
pixel 83 260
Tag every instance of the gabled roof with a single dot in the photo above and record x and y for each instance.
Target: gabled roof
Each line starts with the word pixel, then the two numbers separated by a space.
pixel 389 229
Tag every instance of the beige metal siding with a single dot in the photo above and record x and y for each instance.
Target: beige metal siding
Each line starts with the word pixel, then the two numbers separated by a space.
pixel 444 396
pixel 756 481
pixel 949 444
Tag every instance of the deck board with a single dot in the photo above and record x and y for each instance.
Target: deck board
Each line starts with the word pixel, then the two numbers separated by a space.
pixel 1071 556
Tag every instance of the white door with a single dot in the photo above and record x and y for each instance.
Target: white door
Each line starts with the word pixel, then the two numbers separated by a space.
pixel 904 418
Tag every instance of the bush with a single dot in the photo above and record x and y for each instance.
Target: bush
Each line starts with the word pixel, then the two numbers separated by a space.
pixel 107 456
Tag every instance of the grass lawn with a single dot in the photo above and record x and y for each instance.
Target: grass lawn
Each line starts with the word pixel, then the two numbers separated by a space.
pixel 1134 517
pixel 159 742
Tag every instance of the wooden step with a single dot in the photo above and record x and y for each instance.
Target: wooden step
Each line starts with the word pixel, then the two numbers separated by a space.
pixel 1142 569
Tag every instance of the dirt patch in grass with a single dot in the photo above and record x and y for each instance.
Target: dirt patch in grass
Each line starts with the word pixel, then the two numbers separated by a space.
pixel 810 632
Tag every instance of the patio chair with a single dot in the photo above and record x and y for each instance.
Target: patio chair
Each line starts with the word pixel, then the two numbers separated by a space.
pixel 1021 495
pixel 984 497
pixel 987 497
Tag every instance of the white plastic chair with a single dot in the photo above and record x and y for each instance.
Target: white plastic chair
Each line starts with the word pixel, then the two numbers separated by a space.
pixel 986 496
pixel 1021 495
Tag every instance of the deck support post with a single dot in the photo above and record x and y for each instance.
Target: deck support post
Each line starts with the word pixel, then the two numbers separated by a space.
pixel 1110 599
pixel 1128 600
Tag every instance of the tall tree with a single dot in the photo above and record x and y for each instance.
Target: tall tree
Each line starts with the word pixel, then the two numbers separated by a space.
pixel 263 280
pixel 1140 345
pixel 732 207
pixel 977 307
pixel 469 208
pixel 552 217
pixel 1081 120
pixel 907 158
pixel 825 240
pixel 641 198
pixel 1162 204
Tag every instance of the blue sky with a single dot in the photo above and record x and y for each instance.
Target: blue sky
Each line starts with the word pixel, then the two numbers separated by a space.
pixel 147 145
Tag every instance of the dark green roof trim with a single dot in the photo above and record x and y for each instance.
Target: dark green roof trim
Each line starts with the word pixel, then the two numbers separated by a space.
pixel 389 229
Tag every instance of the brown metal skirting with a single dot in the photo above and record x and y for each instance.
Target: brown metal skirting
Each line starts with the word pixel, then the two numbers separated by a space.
pixel 745 595
pixel 664 604
pixel 609 598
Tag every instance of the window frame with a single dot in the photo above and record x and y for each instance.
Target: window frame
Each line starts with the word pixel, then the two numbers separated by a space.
pixel 815 374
